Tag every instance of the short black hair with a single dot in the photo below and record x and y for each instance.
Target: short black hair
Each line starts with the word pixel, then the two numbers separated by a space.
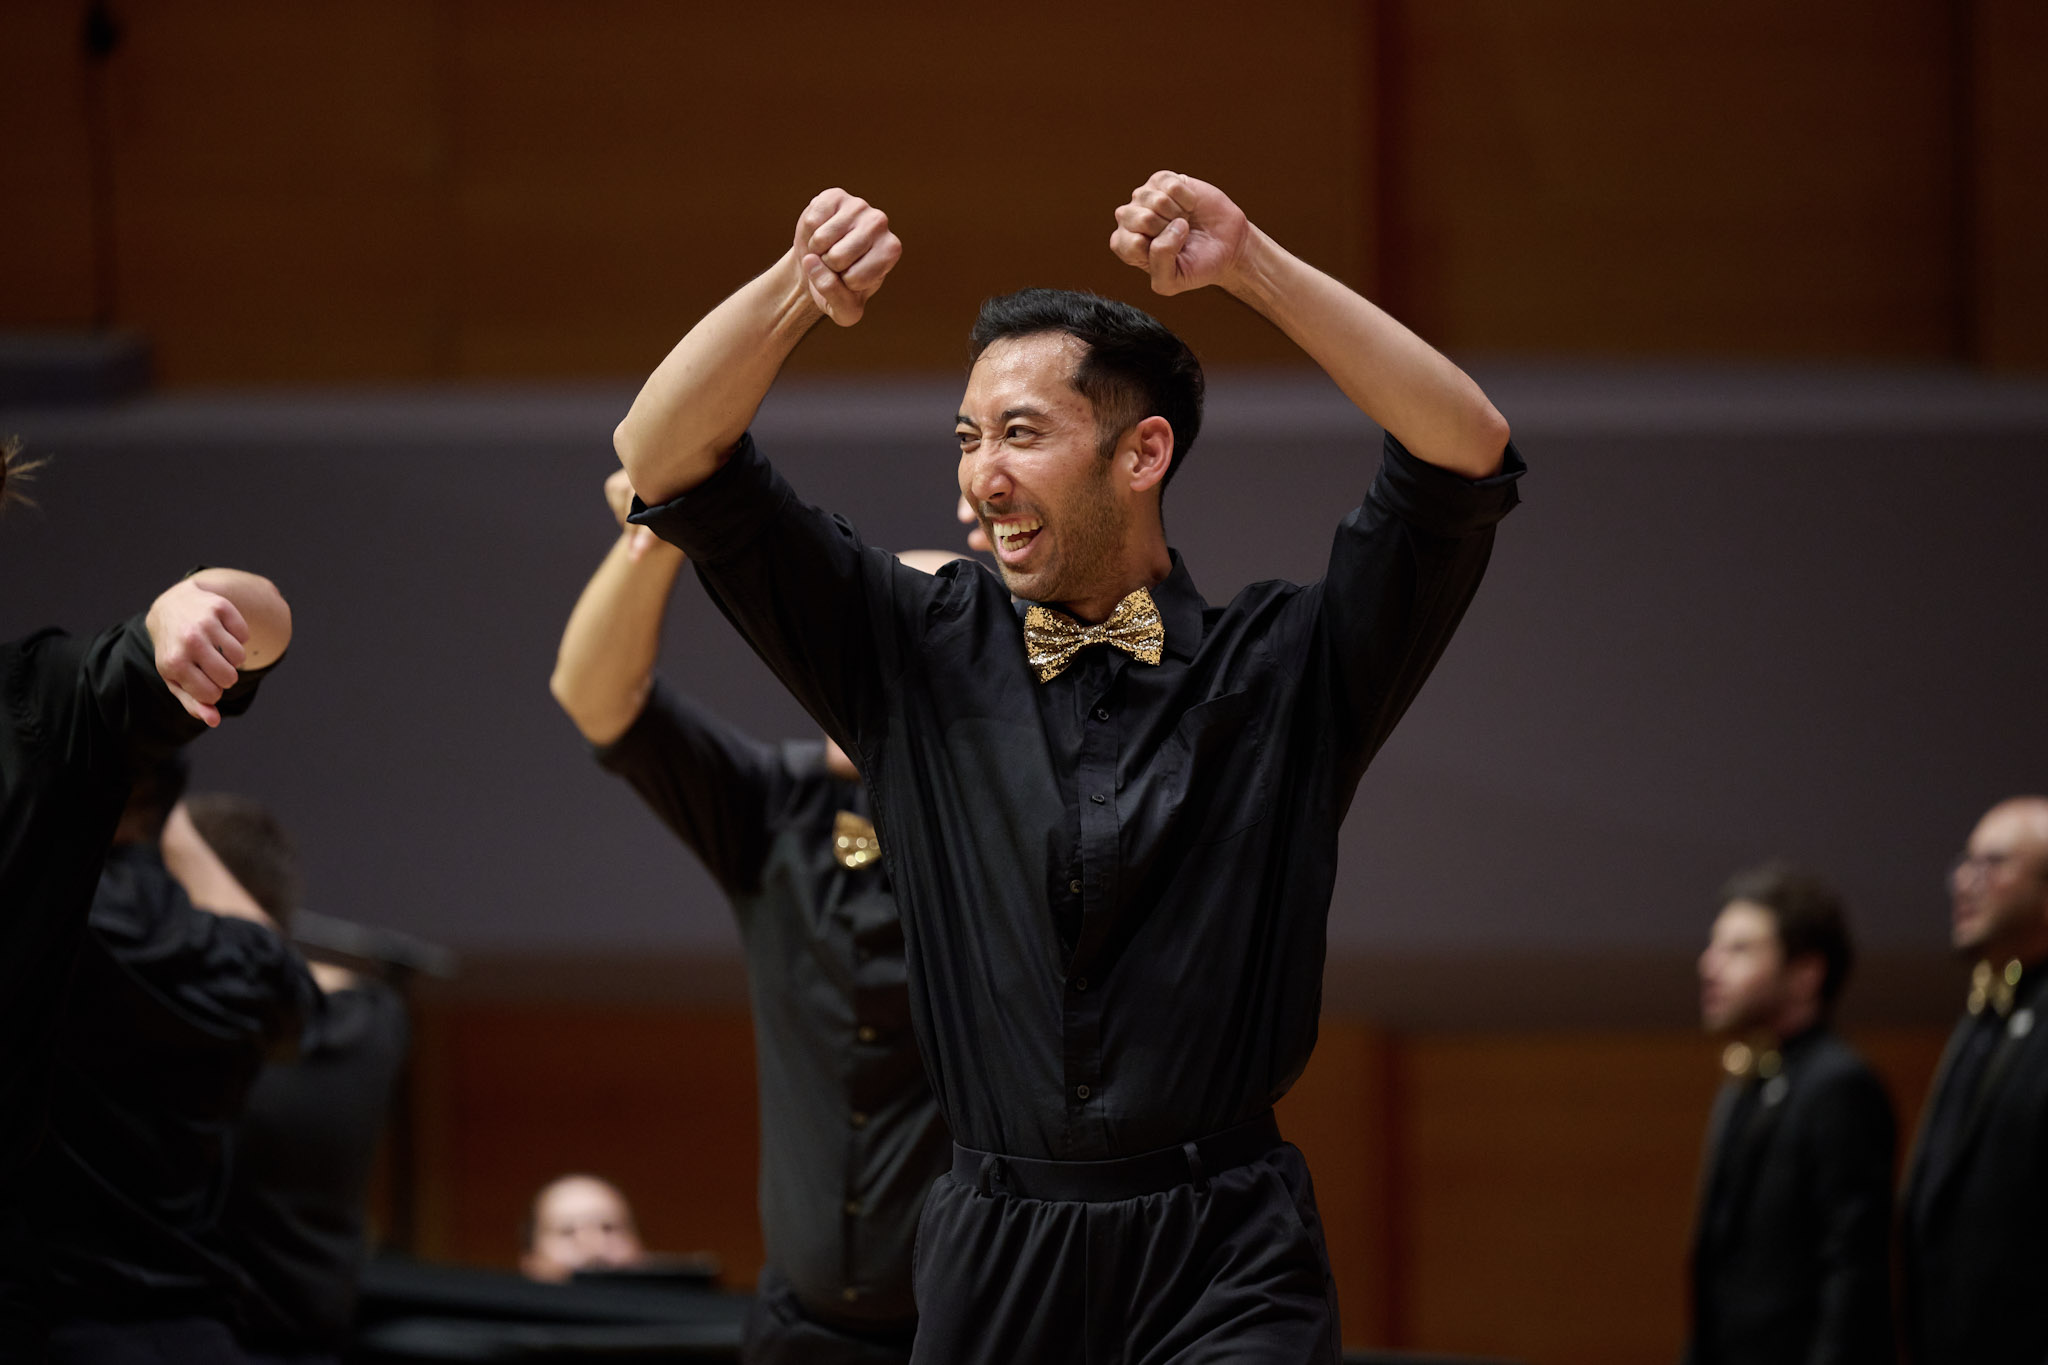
pixel 253 846
pixel 1811 918
pixel 1134 367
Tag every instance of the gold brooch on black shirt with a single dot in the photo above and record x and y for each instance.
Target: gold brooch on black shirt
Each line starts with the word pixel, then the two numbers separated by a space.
pixel 853 841
pixel 1994 988
pixel 1744 1060
pixel 1053 638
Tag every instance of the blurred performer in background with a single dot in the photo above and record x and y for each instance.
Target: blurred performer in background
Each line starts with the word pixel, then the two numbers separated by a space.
pixel 182 988
pixel 74 715
pixel 579 1222
pixel 1975 1224
pixel 850 1136
pixel 1111 809
pixel 306 1145
pixel 1791 1261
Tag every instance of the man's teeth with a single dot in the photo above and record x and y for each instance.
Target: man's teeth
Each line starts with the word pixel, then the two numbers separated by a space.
pixel 1011 530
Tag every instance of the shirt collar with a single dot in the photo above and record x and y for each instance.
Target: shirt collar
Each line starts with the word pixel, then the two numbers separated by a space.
pixel 1180 609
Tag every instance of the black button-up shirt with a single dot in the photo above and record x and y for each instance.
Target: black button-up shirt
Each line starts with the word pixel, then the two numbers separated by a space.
pixel 1115 886
pixel 305 1152
pixel 172 1012
pixel 850 1135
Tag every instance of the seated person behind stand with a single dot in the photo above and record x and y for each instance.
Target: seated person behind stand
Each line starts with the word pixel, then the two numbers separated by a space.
pixel 307 1141
pixel 851 1137
pixel 1792 1248
pixel 579 1222
pixel 172 1011
pixel 74 711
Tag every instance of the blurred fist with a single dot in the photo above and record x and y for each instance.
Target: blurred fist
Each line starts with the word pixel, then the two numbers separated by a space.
pixel 1183 232
pixel 618 492
pixel 199 638
pixel 844 249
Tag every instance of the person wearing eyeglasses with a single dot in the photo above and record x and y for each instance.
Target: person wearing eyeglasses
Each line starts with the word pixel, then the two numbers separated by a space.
pixel 1975 1207
pixel 1791 1259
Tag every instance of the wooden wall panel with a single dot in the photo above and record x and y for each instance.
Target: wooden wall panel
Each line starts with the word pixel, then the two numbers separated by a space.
pixel 46 246
pixel 1550 1186
pixel 434 189
pixel 659 1100
pixel 1550 1182
pixel 618 175
pixel 1338 1115
pixel 1743 178
pixel 276 214
pixel 2010 66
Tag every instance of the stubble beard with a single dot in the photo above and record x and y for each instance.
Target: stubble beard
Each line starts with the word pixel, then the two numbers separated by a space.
pixel 1087 553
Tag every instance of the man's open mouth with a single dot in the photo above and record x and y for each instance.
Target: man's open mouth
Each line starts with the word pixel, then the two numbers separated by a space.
pixel 1013 536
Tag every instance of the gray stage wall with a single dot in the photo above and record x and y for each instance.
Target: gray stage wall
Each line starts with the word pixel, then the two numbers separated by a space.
pixel 1740 613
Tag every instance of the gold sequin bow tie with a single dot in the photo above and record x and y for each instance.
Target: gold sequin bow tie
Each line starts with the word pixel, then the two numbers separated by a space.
pixel 1053 638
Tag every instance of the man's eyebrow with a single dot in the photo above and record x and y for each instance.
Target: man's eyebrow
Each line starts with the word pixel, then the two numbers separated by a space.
pixel 963 420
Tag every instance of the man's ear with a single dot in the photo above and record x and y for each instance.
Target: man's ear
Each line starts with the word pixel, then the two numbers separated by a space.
pixel 1148 453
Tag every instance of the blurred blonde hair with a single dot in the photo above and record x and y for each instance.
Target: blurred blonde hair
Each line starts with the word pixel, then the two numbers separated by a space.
pixel 14 472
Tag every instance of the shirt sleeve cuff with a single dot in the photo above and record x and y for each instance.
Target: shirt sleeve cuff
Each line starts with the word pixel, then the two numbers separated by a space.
pixel 633 741
pixel 1436 500
pixel 726 513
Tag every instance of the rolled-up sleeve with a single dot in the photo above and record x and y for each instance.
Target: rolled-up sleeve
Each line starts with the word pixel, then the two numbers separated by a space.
pixel 1403 568
pixel 711 784
pixel 833 618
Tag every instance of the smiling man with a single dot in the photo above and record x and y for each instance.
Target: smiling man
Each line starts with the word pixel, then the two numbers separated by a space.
pixel 1110 810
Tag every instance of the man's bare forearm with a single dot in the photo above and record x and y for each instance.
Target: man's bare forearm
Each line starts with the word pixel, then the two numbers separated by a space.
pixel 1187 234
pixel 1433 407
pixel 697 404
pixel 605 665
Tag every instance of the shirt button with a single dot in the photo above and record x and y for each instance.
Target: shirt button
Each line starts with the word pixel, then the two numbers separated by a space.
pixel 1081 1092
pixel 866 1033
pixel 1098 798
pixel 1075 886
pixel 1080 983
pixel 1102 713
pixel 853 1208
pixel 859 1118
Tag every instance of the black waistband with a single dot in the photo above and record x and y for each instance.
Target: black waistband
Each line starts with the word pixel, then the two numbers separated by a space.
pixel 1104 1182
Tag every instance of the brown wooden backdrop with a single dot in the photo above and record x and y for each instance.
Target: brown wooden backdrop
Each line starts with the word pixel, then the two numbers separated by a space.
pixel 1526 1194
pixel 437 189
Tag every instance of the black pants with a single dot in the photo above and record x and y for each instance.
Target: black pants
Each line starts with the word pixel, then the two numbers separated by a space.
pixel 780 1332
pixel 1233 1269
pixel 168 1341
pixel 22 1293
